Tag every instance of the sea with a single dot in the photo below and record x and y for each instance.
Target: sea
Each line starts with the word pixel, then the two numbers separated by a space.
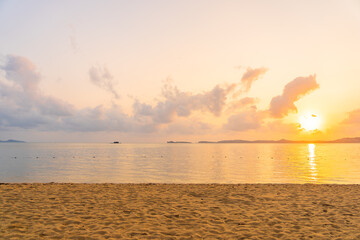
pixel 180 163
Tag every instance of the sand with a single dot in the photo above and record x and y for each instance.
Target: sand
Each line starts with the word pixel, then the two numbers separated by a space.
pixel 179 211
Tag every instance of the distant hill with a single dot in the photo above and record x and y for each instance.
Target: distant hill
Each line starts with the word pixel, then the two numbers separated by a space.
pixel 11 141
pixel 341 140
pixel 177 142
pixel 347 140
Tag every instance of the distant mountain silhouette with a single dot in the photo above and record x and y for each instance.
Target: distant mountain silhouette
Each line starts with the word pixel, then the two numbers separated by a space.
pixel 347 140
pixel 341 140
pixel 177 142
pixel 11 141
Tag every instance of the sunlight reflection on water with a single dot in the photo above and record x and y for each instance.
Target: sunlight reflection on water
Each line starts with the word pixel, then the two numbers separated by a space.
pixel 180 163
pixel 312 163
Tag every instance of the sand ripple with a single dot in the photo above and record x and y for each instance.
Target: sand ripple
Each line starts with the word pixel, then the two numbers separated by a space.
pixel 179 211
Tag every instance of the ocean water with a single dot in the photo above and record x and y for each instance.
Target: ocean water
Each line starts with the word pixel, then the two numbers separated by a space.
pixel 180 163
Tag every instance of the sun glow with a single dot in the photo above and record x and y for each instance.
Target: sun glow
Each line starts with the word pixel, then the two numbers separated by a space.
pixel 310 122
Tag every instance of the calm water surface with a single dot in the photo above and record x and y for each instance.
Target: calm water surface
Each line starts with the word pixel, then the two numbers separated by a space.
pixel 180 163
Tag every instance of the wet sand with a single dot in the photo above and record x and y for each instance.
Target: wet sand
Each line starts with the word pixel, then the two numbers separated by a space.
pixel 179 211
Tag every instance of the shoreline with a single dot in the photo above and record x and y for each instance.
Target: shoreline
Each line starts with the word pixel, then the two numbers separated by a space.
pixel 179 211
pixel 184 184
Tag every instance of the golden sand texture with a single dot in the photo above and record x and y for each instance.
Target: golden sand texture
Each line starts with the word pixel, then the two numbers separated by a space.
pixel 179 211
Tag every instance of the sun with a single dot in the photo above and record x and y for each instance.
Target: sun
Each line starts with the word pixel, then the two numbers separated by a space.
pixel 310 122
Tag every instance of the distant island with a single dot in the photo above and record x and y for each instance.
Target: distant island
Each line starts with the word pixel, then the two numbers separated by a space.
pixel 341 140
pixel 177 142
pixel 11 141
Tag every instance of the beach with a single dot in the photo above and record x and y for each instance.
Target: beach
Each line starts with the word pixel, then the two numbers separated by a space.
pixel 179 211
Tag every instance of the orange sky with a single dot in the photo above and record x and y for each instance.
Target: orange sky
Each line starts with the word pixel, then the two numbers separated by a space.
pixel 144 71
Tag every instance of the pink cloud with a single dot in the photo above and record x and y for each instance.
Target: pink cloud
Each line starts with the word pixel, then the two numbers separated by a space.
pixel 250 76
pixel 281 105
pixel 353 117
pixel 244 121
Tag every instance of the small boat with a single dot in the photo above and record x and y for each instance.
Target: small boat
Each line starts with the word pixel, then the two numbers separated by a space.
pixel 116 142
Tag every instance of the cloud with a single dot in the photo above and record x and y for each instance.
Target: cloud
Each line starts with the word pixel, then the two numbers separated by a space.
pixel 102 78
pixel 350 126
pixel 242 103
pixel 22 104
pixel 96 119
pixel 22 72
pixel 278 126
pixel 247 101
pixel 353 117
pixel 250 76
pixel 281 105
pixel 244 121
pixel 188 127
pixel 181 104
pixel 73 39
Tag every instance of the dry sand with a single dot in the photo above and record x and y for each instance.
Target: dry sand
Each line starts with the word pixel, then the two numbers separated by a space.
pixel 179 211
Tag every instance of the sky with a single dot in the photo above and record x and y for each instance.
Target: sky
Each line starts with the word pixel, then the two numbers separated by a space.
pixel 153 71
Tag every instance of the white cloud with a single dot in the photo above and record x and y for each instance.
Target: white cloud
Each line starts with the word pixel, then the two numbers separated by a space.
pixel 22 104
